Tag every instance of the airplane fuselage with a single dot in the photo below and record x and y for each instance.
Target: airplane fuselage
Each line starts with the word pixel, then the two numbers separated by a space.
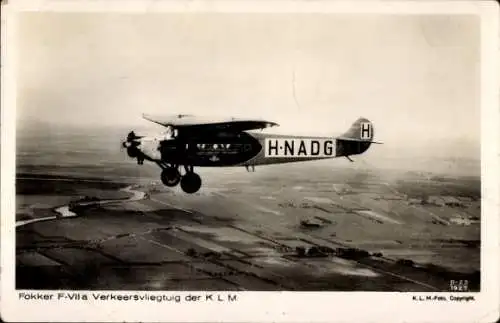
pixel 232 143
pixel 219 149
pixel 210 149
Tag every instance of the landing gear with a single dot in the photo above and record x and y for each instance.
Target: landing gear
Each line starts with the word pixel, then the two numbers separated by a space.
pixel 190 182
pixel 170 176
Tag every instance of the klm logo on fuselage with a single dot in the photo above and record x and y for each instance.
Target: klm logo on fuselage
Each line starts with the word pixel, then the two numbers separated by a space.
pixel 297 147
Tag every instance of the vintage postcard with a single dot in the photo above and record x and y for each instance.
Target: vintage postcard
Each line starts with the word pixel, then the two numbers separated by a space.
pixel 250 161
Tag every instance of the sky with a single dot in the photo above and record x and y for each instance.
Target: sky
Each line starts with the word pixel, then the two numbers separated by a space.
pixel 416 77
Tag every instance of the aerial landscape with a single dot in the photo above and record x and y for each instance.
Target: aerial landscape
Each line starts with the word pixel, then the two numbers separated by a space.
pixel 88 217
pixel 403 216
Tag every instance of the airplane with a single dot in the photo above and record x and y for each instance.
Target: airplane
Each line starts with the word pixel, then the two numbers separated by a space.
pixel 192 141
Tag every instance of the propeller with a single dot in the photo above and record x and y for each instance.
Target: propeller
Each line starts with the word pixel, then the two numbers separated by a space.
pixel 131 144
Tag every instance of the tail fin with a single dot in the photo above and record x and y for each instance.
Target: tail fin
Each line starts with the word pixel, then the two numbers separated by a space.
pixel 357 139
pixel 361 130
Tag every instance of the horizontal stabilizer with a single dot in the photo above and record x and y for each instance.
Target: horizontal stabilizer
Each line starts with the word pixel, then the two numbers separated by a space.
pixel 359 140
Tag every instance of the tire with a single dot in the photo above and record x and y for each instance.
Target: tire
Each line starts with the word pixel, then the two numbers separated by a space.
pixel 170 177
pixel 191 183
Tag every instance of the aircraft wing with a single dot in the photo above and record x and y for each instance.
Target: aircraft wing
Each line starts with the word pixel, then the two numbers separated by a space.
pixel 190 122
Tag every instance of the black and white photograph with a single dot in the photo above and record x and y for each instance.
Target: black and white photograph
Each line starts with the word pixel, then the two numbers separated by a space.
pixel 249 151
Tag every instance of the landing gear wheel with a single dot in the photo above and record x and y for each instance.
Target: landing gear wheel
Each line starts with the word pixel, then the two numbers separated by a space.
pixel 170 176
pixel 190 183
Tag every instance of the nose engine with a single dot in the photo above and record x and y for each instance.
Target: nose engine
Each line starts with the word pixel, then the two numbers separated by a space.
pixel 132 144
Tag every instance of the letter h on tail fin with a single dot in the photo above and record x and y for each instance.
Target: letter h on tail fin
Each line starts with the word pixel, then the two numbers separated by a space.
pixel 366 131
pixel 356 140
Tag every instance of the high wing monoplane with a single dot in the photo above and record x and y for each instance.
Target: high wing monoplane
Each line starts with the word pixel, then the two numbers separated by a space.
pixel 191 141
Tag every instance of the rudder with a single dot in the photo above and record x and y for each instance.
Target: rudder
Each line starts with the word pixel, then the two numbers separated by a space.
pixel 361 129
pixel 357 139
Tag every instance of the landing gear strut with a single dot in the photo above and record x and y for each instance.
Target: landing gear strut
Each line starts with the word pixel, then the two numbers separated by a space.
pixel 190 182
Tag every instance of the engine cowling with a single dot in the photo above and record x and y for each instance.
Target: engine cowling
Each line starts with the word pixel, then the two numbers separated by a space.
pixel 132 144
pixel 132 152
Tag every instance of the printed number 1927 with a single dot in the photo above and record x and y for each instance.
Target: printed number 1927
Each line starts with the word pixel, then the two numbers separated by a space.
pixel 459 285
